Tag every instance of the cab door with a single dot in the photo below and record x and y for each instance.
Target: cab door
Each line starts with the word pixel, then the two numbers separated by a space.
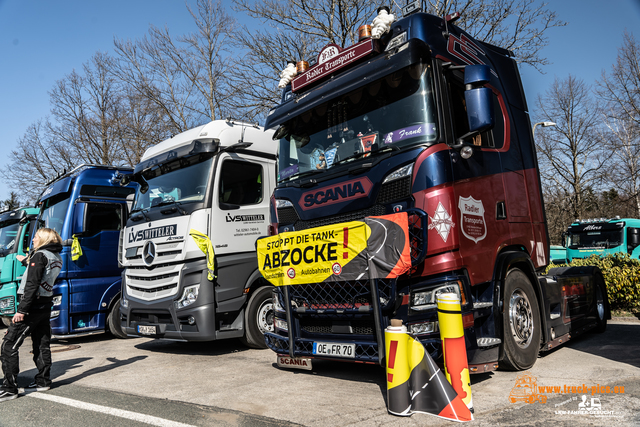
pixel 239 215
pixel 240 208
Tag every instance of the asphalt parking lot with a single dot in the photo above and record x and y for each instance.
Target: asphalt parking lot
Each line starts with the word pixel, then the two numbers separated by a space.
pixel 141 381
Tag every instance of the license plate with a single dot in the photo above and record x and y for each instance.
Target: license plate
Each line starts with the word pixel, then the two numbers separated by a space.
pixel 334 349
pixel 147 330
pixel 294 362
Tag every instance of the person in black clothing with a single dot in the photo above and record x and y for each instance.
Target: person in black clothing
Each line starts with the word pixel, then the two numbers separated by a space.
pixel 32 316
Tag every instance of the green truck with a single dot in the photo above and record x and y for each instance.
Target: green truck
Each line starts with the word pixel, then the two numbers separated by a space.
pixel 16 228
pixel 602 237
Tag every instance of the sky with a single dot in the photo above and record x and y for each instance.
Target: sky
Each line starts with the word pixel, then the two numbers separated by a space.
pixel 41 41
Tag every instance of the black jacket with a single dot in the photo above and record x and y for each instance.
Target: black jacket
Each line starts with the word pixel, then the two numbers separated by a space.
pixel 35 270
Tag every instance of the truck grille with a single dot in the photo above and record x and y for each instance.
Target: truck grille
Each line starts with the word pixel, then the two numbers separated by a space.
pixel 326 326
pixel 395 190
pixel 340 296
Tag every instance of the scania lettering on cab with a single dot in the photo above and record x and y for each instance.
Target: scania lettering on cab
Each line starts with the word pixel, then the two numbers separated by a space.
pixel 215 180
pixel 15 237
pixel 429 123
pixel 602 237
pixel 87 205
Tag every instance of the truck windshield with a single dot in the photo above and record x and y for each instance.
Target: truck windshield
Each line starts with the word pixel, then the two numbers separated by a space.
pixel 395 111
pixel 178 182
pixel 53 212
pixel 9 236
pixel 595 239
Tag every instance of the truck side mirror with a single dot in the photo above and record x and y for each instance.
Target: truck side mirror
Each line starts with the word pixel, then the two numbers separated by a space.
pixel 564 239
pixel 633 239
pixel 478 98
pixel 79 223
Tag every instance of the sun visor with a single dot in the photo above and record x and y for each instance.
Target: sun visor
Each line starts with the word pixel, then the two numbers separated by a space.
pixel 385 63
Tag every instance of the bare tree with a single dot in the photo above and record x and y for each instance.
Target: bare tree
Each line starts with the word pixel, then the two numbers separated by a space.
pixel 621 88
pixel 86 109
pixel 37 159
pixel 622 139
pixel 517 25
pixel 186 77
pixel 570 154
pixel 298 29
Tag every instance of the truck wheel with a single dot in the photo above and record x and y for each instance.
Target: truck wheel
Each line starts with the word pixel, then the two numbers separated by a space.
pixel 6 320
pixel 601 304
pixel 258 318
pixel 113 321
pixel 520 323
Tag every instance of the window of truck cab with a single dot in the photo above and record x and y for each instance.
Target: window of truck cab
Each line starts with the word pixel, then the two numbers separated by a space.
pixel 53 212
pixel 183 181
pixel 395 111
pixel 240 184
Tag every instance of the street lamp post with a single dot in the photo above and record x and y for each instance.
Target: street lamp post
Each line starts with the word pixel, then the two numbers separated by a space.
pixel 544 125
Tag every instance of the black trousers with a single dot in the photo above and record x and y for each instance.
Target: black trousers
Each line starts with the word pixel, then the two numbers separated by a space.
pixel 35 324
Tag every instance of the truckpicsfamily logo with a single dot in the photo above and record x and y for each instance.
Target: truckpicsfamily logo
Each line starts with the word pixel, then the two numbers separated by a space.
pixel 472 218
pixel 244 218
pixel 344 191
pixel 153 233
pixel 526 389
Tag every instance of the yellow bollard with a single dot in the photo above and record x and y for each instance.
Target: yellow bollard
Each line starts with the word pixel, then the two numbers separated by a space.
pixel 453 346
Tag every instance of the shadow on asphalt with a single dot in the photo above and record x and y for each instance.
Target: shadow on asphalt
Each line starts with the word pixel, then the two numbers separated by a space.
pixel 61 367
pixel 619 343
pixel 208 348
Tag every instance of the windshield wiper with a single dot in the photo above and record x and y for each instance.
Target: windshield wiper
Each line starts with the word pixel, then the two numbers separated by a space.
pixel 171 201
pixel 143 211
pixel 303 174
pixel 359 154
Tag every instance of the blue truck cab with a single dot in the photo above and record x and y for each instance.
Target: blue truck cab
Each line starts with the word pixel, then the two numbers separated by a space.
pixel 603 237
pixel 89 205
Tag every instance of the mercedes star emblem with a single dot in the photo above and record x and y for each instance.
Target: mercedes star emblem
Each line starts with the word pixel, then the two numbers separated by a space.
pixel 149 252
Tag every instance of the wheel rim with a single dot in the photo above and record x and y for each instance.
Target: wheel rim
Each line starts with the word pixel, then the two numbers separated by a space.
pixel 521 318
pixel 265 316
pixel 599 303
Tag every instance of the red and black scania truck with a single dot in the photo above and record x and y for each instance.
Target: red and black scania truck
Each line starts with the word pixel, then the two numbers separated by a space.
pixel 428 121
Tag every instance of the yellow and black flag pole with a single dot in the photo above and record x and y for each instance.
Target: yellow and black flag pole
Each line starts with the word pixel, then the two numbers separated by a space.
pixel 454 349
pixel 414 382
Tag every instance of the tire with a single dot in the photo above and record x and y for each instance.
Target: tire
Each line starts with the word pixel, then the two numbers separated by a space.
pixel 520 323
pixel 602 306
pixel 6 320
pixel 113 321
pixel 258 318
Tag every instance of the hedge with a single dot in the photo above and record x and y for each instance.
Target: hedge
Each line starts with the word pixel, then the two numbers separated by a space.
pixel 621 274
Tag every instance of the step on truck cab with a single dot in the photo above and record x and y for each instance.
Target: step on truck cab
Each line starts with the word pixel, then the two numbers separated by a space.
pixel 215 180
pixel 429 122
pixel 602 237
pixel 16 229
pixel 87 205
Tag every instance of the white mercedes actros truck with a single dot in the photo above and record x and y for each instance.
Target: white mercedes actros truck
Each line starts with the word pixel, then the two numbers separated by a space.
pixel 214 182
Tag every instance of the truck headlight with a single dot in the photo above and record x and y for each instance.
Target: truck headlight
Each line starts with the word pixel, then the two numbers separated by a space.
pixel 57 300
pixel 189 296
pixel 427 299
pixel 281 324
pixel 6 303
pixel 275 297
pixel 399 173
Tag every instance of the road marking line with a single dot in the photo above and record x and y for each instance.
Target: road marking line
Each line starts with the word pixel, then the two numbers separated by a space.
pixel 161 422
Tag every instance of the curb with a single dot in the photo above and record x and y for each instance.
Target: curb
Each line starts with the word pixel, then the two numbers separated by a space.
pixel 629 319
